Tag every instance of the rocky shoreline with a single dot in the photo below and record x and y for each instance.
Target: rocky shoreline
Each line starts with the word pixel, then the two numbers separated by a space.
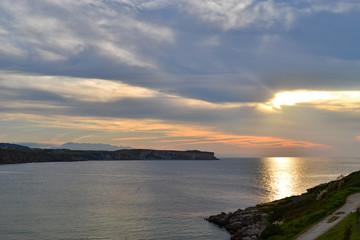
pixel 245 224
pixel 250 223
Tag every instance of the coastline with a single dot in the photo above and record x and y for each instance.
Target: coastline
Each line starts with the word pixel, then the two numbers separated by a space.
pixel 14 156
pixel 287 218
pixel 249 223
pixel 331 220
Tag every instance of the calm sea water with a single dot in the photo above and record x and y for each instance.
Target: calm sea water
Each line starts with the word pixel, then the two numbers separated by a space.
pixel 147 199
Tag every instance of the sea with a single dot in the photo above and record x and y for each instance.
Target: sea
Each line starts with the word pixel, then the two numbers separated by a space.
pixel 149 200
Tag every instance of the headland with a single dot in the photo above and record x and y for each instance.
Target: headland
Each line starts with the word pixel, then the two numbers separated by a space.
pixel 12 153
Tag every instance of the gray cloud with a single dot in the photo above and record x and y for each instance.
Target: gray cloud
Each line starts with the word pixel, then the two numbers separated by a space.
pixel 157 44
pixel 242 14
pixel 203 62
pixel 58 31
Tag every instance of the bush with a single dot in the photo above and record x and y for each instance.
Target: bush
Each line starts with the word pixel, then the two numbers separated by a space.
pixel 276 215
pixel 347 233
pixel 271 230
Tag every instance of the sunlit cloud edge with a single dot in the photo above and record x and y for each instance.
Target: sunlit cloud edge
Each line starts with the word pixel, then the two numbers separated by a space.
pixel 327 100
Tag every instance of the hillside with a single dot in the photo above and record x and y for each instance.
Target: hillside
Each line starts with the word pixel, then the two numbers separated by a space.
pixel 18 155
pixel 12 146
pixel 286 218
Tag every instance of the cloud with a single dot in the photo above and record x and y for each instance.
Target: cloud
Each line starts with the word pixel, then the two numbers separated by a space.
pixel 144 4
pixel 32 94
pixel 132 138
pixel 89 90
pixel 328 100
pixel 170 132
pixel 63 95
pixel 7 46
pixel 235 15
pixel 211 41
pixel 241 14
pixel 100 90
pixel 81 138
pixel 211 64
pixel 40 34
pixel 58 31
pixel 333 6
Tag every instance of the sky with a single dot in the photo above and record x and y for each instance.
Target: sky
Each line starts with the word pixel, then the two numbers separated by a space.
pixel 235 77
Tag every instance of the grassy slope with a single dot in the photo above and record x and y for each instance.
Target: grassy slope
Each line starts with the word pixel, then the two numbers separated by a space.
pixel 289 219
pixel 338 232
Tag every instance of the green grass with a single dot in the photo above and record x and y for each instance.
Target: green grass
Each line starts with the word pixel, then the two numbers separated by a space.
pixel 338 232
pixel 300 217
pixel 297 217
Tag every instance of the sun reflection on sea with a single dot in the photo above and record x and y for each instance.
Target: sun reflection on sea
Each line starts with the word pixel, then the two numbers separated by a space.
pixel 279 178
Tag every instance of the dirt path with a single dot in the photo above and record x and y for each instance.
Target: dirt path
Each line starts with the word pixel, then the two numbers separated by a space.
pixel 352 202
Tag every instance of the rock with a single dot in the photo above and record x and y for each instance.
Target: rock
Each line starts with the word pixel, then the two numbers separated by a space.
pixel 221 219
pixel 245 224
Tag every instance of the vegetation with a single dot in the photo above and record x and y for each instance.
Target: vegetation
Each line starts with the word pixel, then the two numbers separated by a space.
pixel 22 155
pixel 346 229
pixel 291 216
pixel 271 230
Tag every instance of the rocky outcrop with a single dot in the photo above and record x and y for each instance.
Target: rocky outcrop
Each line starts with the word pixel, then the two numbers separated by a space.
pixel 245 224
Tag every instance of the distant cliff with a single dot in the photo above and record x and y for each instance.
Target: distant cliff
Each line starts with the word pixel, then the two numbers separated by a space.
pixel 19 155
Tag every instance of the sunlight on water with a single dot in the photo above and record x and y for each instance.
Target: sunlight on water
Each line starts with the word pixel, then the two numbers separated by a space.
pixel 283 180
pixel 280 177
pixel 147 199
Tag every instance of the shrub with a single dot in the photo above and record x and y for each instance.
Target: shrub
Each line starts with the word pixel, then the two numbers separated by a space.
pixel 271 230
pixel 347 233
